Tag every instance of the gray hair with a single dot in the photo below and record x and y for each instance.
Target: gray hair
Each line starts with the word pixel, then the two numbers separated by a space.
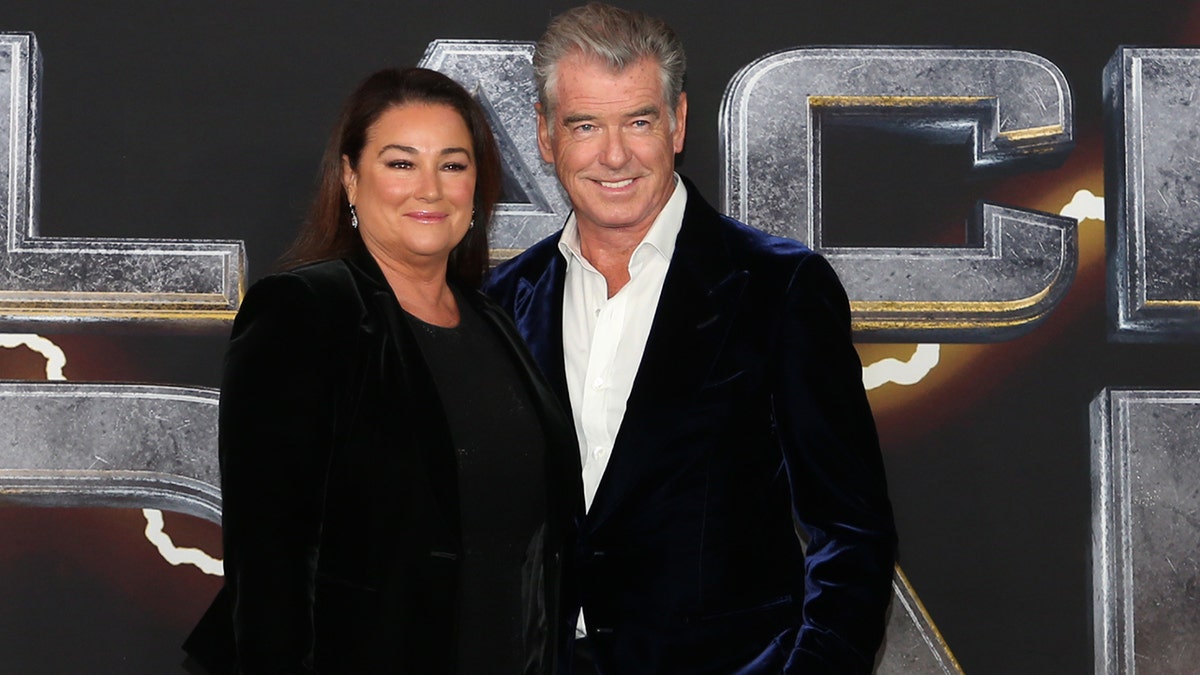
pixel 616 37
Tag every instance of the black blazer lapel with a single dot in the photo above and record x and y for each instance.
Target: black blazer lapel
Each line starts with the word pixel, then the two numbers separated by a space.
pixel 403 366
pixel 694 315
pixel 537 311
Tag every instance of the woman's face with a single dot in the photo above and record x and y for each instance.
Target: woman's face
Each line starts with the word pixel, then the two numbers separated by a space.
pixel 414 185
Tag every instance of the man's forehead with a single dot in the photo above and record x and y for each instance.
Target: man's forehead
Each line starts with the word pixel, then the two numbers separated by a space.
pixel 591 82
pixel 581 66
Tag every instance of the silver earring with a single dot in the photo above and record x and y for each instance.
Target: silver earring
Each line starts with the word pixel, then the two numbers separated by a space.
pixel 472 225
pixel 353 217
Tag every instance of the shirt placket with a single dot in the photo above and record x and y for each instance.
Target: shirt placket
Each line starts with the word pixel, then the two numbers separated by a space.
pixel 597 390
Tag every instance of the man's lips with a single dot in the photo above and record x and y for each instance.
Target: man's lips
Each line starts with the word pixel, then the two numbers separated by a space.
pixel 615 184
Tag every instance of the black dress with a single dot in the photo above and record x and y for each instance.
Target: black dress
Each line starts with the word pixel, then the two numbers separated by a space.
pixel 500 446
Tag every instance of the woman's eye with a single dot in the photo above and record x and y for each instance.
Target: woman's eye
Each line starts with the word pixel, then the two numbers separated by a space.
pixel 400 164
pixel 455 166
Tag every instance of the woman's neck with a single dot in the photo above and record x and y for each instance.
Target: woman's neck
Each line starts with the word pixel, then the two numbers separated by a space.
pixel 422 292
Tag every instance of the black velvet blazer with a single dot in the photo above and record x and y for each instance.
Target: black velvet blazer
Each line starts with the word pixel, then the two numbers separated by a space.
pixel 341 514
pixel 747 422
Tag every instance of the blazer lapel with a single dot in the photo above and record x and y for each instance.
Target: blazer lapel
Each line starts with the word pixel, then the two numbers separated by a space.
pixel 403 366
pixel 695 312
pixel 537 311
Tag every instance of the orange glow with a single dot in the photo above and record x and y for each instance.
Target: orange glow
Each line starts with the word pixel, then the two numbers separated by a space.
pixel 968 373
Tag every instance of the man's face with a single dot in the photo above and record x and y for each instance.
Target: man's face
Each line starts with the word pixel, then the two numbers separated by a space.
pixel 610 139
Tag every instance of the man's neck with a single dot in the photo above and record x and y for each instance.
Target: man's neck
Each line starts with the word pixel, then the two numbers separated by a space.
pixel 609 250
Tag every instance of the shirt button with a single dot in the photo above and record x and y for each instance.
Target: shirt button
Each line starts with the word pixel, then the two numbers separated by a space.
pixel 597 451
pixel 598 383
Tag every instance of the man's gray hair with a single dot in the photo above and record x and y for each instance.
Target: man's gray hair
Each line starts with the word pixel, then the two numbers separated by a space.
pixel 618 38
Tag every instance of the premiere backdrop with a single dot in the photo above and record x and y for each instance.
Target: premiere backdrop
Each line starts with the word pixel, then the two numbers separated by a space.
pixel 1033 363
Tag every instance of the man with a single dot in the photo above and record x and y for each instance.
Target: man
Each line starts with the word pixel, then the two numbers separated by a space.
pixel 716 394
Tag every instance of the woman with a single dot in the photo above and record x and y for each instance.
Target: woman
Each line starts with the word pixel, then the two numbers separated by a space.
pixel 398 482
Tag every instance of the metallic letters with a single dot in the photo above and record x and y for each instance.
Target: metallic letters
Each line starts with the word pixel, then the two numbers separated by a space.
pixel 1145 525
pixel 1015 105
pixel 1153 206
pixel 61 280
pixel 127 445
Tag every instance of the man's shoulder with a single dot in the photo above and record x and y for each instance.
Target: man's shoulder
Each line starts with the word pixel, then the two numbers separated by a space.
pixel 751 249
pixel 529 265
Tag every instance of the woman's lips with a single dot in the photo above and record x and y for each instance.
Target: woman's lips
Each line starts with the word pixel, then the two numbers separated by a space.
pixel 427 216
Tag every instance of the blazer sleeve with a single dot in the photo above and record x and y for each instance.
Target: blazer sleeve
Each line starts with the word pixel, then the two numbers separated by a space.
pixel 276 429
pixel 836 472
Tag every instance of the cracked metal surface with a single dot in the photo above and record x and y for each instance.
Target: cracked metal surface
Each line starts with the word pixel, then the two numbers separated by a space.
pixel 1017 109
pixel 1145 525
pixel 62 281
pixel 128 445
pixel 1152 178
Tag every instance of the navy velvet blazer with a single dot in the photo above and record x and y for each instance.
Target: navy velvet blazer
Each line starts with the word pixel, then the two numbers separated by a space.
pixel 341 517
pixel 747 425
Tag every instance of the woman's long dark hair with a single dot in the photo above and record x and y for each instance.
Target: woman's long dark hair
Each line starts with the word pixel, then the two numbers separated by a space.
pixel 327 233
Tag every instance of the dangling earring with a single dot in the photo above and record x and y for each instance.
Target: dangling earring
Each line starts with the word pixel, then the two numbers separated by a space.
pixel 471 226
pixel 353 217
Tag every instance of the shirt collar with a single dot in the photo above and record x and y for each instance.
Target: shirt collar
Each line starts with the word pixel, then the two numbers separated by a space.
pixel 660 237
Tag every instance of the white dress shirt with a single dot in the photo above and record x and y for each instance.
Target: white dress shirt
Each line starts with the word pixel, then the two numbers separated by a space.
pixel 603 337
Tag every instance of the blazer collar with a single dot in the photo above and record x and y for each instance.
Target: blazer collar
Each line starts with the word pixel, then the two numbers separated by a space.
pixel 362 262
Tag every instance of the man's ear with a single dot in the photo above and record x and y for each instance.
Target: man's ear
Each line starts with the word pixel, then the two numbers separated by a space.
pixel 680 123
pixel 349 179
pixel 543 134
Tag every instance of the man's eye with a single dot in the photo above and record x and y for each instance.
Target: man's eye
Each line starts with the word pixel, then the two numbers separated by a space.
pixel 586 128
pixel 641 124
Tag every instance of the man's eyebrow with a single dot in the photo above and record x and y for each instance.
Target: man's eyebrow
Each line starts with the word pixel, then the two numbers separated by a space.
pixel 648 111
pixel 575 118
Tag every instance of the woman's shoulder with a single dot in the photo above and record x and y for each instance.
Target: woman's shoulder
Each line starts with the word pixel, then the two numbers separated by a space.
pixel 322 289
pixel 319 279
pixel 316 275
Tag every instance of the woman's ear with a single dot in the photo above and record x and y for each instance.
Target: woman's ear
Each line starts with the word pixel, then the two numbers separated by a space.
pixel 349 179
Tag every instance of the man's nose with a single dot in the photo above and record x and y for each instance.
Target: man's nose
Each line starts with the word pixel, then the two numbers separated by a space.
pixel 615 152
